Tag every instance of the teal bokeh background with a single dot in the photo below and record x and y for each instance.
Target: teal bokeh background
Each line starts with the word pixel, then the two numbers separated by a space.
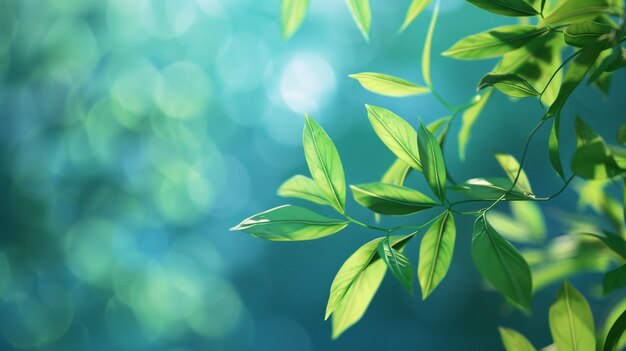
pixel 135 133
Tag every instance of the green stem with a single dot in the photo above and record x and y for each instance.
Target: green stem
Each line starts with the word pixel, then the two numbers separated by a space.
pixel 441 100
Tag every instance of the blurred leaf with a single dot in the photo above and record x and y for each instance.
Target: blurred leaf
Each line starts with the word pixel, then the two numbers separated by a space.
pixel 571 321
pixel 428 43
pixel 514 341
pixel 292 13
pixel 290 223
pixel 397 173
pixel 397 263
pixel 554 146
pixel 391 200
pixel 584 134
pixel 506 7
pixel 493 43
pixel 416 7
pixel 469 117
pixel 501 264
pixel 436 252
pixel 615 279
pixel 612 241
pixel 594 195
pixel 435 125
pixel 587 33
pixel 304 188
pixel 621 134
pixel 361 13
pixel 510 84
pixel 433 164
pixel 609 63
pixel 511 167
pixel 324 164
pixel 594 161
pixel 572 11
pixel 614 328
pixel 396 134
pixel 527 224
pixel 491 189
pixel 384 84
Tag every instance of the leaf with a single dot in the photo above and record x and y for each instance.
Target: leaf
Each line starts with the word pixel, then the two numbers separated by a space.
pixel 436 252
pixel 391 200
pixel 609 63
pixel 587 33
pixel 571 322
pixel 525 225
pixel 384 84
pixel 613 242
pixel 594 161
pixel 290 223
pixel 432 161
pixel 361 13
pixel 615 333
pixel 469 117
pixel 292 13
pixel 621 134
pixel 514 341
pixel 515 8
pixel 615 279
pixel 511 167
pixel 554 146
pixel 324 164
pixel 491 189
pixel 510 84
pixel 416 7
pixel 435 125
pixel 396 134
pixel 584 134
pixel 304 188
pixel 356 283
pixel 428 43
pixel 493 43
pixel 572 11
pixel 501 264
pixel 398 264
pixel 397 173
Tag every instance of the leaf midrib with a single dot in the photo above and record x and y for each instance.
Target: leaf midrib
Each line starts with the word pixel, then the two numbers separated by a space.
pixel 396 139
pixel 574 13
pixel 495 43
pixel 439 237
pixel 397 201
pixel 570 318
pixel 394 81
pixel 326 174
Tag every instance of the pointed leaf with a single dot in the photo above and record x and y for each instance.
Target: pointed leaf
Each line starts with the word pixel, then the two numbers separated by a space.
pixel 525 225
pixel 391 200
pixel 292 13
pixel 493 43
pixel 428 43
pixel 290 223
pixel 432 161
pixel 514 341
pixel 584 134
pixel 324 164
pixel 572 11
pixel 571 322
pixel 554 146
pixel 587 33
pixel 615 279
pixel 384 84
pixel 304 188
pixel 616 333
pixel 361 13
pixel 595 161
pixel 469 117
pixel 501 264
pixel 613 242
pixel 510 84
pixel 436 253
pixel 397 173
pixel 491 189
pixel 511 167
pixel 397 263
pixel 506 7
pixel 416 7
pixel 396 134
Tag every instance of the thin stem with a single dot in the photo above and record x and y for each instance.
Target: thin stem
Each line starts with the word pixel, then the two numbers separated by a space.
pixel 441 99
pixel 364 225
pixel 558 70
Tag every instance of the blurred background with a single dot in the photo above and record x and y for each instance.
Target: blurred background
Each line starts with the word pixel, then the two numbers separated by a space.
pixel 135 133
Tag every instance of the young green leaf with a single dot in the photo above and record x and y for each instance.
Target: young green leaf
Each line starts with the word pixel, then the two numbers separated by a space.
pixel 391 200
pixel 554 146
pixel 615 279
pixel 304 188
pixel 525 225
pixel 416 7
pixel 573 11
pixel 428 43
pixel 511 167
pixel 469 117
pixel 290 223
pixel 361 13
pixel 397 263
pixel 491 189
pixel 324 164
pixel 510 84
pixel 571 322
pixel 292 13
pixel 514 341
pixel 516 8
pixel 501 264
pixel 616 333
pixel 384 84
pixel 595 161
pixel 587 33
pixel 432 161
pixel 493 43
pixel 436 253
pixel 396 134
pixel 397 173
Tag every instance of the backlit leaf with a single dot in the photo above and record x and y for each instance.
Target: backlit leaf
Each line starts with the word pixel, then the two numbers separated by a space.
pixel 511 167
pixel 416 7
pixel 571 322
pixel 397 173
pixel 361 13
pixel 428 43
pixel 587 33
pixel 616 333
pixel 398 264
pixel 433 164
pixel 469 117
pixel 510 84
pixel 615 279
pixel 514 341
pixel 525 225
pixel 302 187
pixel 384 84
pixel 594 161
pixel 389 199
pixel 572 11
pixel 436 252
pixel 292 13
pixel 506 7
pixel 491 189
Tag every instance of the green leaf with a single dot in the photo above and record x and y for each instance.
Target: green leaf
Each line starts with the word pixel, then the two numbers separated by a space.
pixel 493 43
pixel 324 164
pixel 514 341
pixel 616 333
pixel 554 146
pixel 396 134
pixel 572 11
pixel 501 264
pixel 594 161
pixel 609 63
pixel 397 173
pixel 510 166
pixel 428 43
pixel 584 134
pixel 391 200
pixel 304 188
pixel 397 263
pixel 290 223
pixel 469 117
pixel 510 84
pixel 587 33
pixel 437 124
pixel 621 134
pixel 516 8
pixel 613 242
pixel 615 279
pixel 360 10
pixel 416 7
pixel 356 283
pixel 491 189
pixel 436 253
pixel 525 225
pixel 292 13
pixel 432 161
pixel 571 322
pixel 384 84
